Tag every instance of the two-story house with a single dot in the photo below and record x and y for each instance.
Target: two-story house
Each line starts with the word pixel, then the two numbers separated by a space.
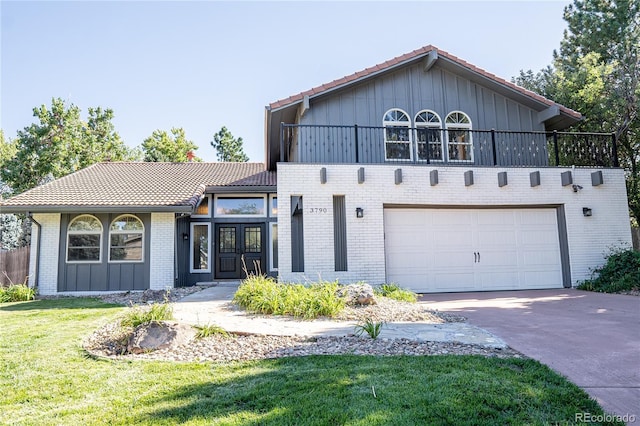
pixel 425 171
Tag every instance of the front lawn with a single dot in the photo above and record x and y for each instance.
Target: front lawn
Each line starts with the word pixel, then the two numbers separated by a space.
pixel 46 378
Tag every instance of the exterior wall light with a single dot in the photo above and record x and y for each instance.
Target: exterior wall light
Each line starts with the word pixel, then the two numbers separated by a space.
pixel 185 236
pixel 586 211
pixel 359 212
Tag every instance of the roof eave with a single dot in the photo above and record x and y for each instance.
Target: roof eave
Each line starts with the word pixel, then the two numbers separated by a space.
pixel 94 209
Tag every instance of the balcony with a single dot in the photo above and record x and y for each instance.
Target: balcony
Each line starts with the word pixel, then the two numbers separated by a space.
pixel 451 146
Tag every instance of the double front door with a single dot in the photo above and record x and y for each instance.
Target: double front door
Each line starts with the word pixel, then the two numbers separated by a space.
pixel 239 250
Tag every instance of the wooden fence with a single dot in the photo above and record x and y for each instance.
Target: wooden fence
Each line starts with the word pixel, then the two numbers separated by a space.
pixel 14 266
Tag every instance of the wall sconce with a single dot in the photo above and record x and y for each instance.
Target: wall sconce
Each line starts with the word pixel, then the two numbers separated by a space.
pixel 359 212
pixel 185 236
pixel 586 211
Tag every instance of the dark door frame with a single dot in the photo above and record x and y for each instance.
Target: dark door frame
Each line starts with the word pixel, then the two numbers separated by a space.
pixel 230 263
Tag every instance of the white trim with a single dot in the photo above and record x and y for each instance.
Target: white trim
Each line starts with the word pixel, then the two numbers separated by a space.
pixel 271 226
pixel 127 232
pixel 99 233
pixel 200 271
pixel 273 197
pixel 208 199
pixel 429 125
pixel 400 124
pixel 459 126
pixel 264 200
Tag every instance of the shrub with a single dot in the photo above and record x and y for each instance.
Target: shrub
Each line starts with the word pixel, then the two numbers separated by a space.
pixel 621 272
pixel 16 293
pixel 393 291
pixel 370 327
pixel 210 330
pixel 145 314
pixel 264 295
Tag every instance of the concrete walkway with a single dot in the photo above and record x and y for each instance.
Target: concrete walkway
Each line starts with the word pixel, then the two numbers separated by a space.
pixel 211 306
pixel 591 338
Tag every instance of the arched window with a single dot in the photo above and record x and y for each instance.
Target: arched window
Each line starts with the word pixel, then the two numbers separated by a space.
pixel 429 136
pixel 397 135
pixel 126 239
pixel 459 143
pixel 84 239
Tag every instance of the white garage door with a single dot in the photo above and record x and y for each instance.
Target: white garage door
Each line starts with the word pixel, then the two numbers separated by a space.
pixel 442 250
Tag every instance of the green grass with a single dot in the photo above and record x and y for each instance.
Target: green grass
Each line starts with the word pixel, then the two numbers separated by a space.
pixel 47 379
pixel 264 295
pixel 209 330
pixel 16 293
pixel 394 291
pixel 137 315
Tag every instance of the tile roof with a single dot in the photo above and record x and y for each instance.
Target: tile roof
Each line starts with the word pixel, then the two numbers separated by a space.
pixel 423 51
pixel 176 186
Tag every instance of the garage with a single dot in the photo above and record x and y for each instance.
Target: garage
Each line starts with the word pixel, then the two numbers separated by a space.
pixel 448 250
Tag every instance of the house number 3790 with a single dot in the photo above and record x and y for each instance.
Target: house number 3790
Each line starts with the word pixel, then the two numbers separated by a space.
pixel 317 210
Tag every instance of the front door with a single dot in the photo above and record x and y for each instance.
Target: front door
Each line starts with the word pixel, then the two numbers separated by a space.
pixel 239 250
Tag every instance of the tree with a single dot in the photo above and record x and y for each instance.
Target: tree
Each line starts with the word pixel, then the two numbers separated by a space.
pixel 597 72
pixel 228 148
pixel 162 146
pixel 61 143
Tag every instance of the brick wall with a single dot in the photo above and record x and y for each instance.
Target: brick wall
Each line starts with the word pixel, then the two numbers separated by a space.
pixel 590 238
pixel 49 244
pixel 162 245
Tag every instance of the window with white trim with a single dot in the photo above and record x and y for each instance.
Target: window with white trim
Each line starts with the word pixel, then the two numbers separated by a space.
pixel 84 239
pixel 397 135
pixel 200 247
pixel 126 239
pixel 459 143
pixel 428 136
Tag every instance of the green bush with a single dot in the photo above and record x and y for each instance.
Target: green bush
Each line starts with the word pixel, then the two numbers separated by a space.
pixel 210 330
pixel 145 314
pixel 16 293
pixel 393 291
pixel 264 295
pixel 621 272
pixel 370 327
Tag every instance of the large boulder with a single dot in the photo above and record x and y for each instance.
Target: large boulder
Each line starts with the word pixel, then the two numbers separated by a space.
pixel 358 294
pixel 159 335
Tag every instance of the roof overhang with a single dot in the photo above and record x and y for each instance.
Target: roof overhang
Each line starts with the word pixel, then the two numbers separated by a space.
pixel 95 209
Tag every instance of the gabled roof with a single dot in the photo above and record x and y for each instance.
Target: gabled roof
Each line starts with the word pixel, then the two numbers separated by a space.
pixel 137 186
pixel 284 110
pixel 403 59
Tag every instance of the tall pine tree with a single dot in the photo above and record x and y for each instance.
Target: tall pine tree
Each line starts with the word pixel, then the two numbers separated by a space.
pixel 228 148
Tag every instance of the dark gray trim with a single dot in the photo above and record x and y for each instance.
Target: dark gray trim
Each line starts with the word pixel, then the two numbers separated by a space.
pixel 564 247
pixel 297 234
pixel 323 175
pixel 241 189
pixel 433 178
pixel 468 178
pixel 596 178
pixel 38 242
pixel 339 233
pixel 502 179
pixel 361 175
pixel 566 178
pixel 534 178
pixel 398 176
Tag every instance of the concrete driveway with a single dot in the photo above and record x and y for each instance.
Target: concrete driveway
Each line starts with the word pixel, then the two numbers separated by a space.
pixel 591 338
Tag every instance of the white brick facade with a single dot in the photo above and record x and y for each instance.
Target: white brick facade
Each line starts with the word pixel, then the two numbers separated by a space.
pixel 589 238
pixel 49 240
pixel 162 248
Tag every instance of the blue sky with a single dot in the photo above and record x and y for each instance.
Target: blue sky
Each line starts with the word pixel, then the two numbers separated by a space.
pixel 202 65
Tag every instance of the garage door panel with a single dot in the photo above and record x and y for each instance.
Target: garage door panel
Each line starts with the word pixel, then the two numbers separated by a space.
pixel 431 250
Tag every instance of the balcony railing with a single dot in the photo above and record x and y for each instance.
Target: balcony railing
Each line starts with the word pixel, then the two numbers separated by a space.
pixel 451 146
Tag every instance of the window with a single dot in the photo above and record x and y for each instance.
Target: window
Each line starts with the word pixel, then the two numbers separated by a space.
pixel 241 206
pixel 429 136
pixel 84 239
pixel 273 199
pixel 126 237
pixel 397 135
pixel 204 208
pixel 459 143
pixel 274 247
pixel 200 248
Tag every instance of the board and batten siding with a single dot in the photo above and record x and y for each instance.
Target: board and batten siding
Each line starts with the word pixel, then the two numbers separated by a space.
pixel 412 90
